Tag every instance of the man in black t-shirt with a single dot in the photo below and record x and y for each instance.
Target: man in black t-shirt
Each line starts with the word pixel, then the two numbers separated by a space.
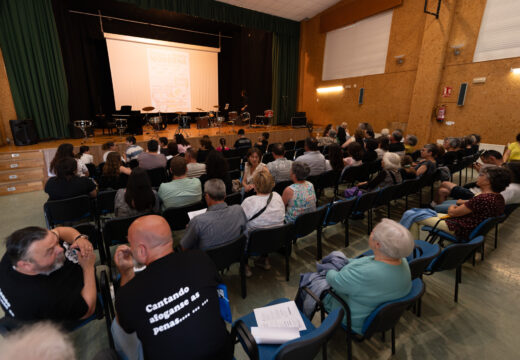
pixel 172 305
pixel 242 142
pixel 395 142
pixel 38 281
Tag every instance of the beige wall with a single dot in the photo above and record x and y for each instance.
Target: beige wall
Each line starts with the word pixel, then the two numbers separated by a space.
pixel 409 92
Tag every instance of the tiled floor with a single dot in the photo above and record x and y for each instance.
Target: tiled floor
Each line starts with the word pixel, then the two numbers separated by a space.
pixel 483 325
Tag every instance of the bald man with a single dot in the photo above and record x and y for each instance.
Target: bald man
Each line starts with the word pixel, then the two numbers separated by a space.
pixel 172 305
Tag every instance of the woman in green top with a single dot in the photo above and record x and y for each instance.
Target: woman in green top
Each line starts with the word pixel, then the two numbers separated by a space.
pixel 367 282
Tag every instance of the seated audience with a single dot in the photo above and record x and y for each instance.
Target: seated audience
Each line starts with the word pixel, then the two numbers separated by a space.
pixel 476 144
pixel 395 143
pixel 138 197
pixel 66 184
pixel 407 169
pixel 84 155
pixel 253 166
pixel 205 147
pixel 427 165
pixel 389 175
pixel 182 143
pixel 326 130
pixel 384 144
pixel 355 152
pixel 181 190
pixel 219 225
pixel 195 169
pixel 163 145
pixel 342 133
pixel 180 316
pixel 115 175
pixel 489 158
pixel 299 198
pixel 67 151
pixel 222 147
pixel 107 148
pixel 173 150
pixel 370 153
pixel 151 159
pixel 217 168
pixel 242 142
pixel 410 142
pixel 280 168
pixel 385 132
pixel 366 282
pixel 48 275
pixel 263 210
pixel 132 150
pixel 262 142
pixel 368 130
pixel 469 141
pixel 335 158
pixel 512 152
pixel 451 156
pixel 328 139
pixel 313 157
pixel 465 217
pixel 359 137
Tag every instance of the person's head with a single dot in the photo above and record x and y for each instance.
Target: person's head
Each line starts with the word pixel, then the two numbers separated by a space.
pixel 496 177
pixel 410 140
pixel 359 134
pixel 150 238
pixel 130 140
pixel 384 143
pixel 391 240
pixel 326 130
pixel 406 161
pixel 216 165
pixel 396 137
pixel 108 146
pixel 263 181
pixel 265 136
pixel 311 144
pixel 139 194
pixel 335 157
pixel 111 167
pixel 152 146
pixel 344 125
pixel 342 134
pixel 385 132
pixel 241 132
pixel 371 144
pixel 190 155
pixel 66 168
pixel 299 171
pixel 514 167
pixel 254 155
pixel 518 137
pixel 440 151
pixel 332 133
pixel 163 141
pixel 178 167
pixel 429 151
pixel 492 157
pixel 214 191
pixel 453 143
pixel 83 149
pixel 477 138
pixel 391 161
pixel 222 142
pixel 355 150
pixel 205 143
pixel 42 341
pixel 469 140
pixel 173 149
pixel 64 151
pixel 180 140
pixel 278 151
pixel 34 250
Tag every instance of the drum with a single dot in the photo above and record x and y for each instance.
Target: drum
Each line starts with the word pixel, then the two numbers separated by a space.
pixel 121 123
pixel 82 124
pixel 155 120
pixel 245 116
pixel 184 122
pixel 268 113
pixel 203 122
pixel 233 116
pixel 220 120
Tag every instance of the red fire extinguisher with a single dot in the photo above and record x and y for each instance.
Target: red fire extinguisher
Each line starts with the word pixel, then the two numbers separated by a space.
pixel 441 113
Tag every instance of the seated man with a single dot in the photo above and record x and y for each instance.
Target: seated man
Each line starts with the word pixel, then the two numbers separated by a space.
pixel 133 150
pixel 280 168
pixel 314 158
pixel 40 280
pixel 194 169
pixel 242 142
pixel 180 316
pixel 219 225
pixel 395 143
pixel 181 190
pixel 151 159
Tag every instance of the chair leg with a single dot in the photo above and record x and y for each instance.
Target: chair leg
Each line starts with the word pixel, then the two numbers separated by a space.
pixel 349 345
pixel 419 303
pixel 346 232
pixel 243 280
pixel 287 270
pixel 393 340
pixel 457 274
pixel 319 253
pixel 383 336
pixel 406 202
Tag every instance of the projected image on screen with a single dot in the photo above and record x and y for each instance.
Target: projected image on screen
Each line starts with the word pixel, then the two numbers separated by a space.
pixel 171 77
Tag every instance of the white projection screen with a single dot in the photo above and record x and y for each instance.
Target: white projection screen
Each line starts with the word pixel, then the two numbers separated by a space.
pixel 171 77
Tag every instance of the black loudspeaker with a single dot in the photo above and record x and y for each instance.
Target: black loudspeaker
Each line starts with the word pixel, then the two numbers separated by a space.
pixel 24 132
pixel 361 95
pixel 298 121
pixel 462 94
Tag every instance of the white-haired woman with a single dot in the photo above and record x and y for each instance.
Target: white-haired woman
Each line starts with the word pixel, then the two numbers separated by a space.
pixel 390 175
pixel 369 281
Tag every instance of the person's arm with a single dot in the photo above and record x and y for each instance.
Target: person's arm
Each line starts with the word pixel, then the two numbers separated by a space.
pixel 89 292
pixel 421 170
pixel 287 195
pixel 457 211
pixel 346 143
pixel 190 238
pixel 124 263
pixel 93 193
pixel 125 170
pixel 507 154
pixel 461 202
pixel 346 280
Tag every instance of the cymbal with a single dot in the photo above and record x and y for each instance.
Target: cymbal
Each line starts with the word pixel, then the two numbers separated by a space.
pixel 148 108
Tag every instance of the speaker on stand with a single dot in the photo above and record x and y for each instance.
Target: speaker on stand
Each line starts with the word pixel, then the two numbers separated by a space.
pixel 24 132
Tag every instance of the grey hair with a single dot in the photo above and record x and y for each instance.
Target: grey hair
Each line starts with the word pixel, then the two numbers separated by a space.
pixel 332 133
pixel 454 142
pixel 216 189
pixel 395 240
pixel 397 135
pixel 412 139
pixel 301 170
pixel 385 132
pixel 344 124
pixel 391 161
pixel 43 341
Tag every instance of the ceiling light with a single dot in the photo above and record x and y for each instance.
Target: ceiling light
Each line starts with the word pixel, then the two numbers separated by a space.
pixel 330 89
pixel 515 71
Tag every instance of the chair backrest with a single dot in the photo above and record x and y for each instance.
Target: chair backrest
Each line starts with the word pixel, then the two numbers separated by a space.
pixel 105 202
pixel 307 223
pixel 299 152
pixel 279 187
pixel 91 231
pixel 289 145
pixel 328 179
pixel 366 201
pixel 267 158
pixel 234 174
pixel 157 176
pixel 229 153
pixel 92 171
pixel 70 210
pixel 421 256
pixel 234 163
pixel 485 226
pixel 386 195
pixel 314 179
pixel 270 147
pixel 509 209
pixel 351 174
pixel 234 199
pixel 299 144
pixel 374 166
pixel 309 345
pixel 411 186
pixel 225 255
pixel 289 154
pixel 178 217
pixel 455 254
pixel 115 230
pixel 339 211
pixel 386 315
pixel 266 240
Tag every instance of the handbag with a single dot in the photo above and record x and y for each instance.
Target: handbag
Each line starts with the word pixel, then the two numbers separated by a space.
pixel 352 192
pixel 261 210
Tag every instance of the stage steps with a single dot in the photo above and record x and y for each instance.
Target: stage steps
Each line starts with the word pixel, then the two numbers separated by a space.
pixel 21 172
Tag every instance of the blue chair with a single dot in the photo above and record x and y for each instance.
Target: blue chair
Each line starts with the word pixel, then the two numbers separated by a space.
pixel 383 318
pixel 68 211
pixel 452 257
pixel 307 223
pixel 305 347
pixel 339 211
pixel 364 203
pixel 508 211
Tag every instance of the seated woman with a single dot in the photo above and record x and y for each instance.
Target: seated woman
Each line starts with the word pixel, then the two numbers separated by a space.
pixel 355 151
pixel 366 282
pixel 66 184
pixel 262 142
pixel 427 165
pixel 253 166
pixel 84 155
pixel 138 197
pixel 217 168
pixel 222 147
pixel 115 175
pixel 466 216
pixel 383 146
pixel 263 210
pixel 370 150
pixel 335 158
pixel 205 147
pixel 300 197
pixel 390 175
pixel 182 143
pixel 64 151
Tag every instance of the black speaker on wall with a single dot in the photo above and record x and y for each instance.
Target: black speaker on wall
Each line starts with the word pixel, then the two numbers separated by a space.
pixel 361 95
pixel 24 132
pixel 462 94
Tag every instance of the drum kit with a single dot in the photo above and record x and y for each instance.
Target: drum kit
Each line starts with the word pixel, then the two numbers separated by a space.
pixel 83 125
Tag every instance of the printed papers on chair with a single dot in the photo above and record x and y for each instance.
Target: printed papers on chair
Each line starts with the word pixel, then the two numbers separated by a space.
pixel 278 323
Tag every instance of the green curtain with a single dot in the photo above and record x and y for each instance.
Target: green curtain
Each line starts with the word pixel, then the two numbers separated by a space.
pixel 32 54
pixel 286 38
